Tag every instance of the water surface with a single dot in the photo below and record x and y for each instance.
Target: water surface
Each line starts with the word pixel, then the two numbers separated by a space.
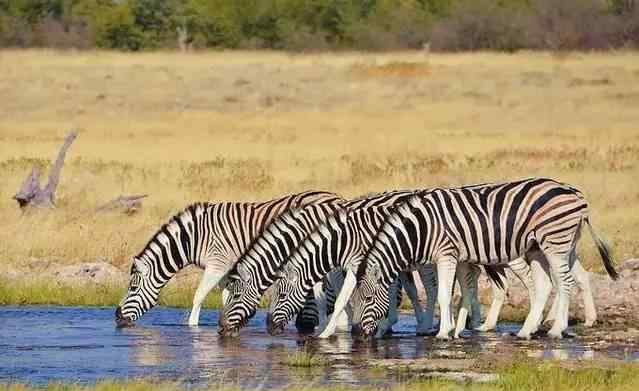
pixel 43 344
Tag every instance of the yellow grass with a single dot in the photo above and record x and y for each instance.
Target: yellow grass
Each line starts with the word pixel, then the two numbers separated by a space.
pixel 254 125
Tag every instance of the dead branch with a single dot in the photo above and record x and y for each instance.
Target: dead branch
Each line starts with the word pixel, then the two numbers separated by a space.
pixel 127 204
pixel 30 194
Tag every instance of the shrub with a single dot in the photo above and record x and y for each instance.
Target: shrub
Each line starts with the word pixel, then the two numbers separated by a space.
pixel 569 25
pixel 480 24
pixel 392 26
pixel 115 28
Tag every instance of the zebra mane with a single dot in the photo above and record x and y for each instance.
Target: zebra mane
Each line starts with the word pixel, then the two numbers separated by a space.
pixel 340 215
pixel 377 194
pixel 293 213
pixel 189 209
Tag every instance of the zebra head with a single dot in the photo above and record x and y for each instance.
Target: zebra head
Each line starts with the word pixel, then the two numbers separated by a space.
pixel 370 301
pixel 242 299
pixel 141 295
pixel 287 299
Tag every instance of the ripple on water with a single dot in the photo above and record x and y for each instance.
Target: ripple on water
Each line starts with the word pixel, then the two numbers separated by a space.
pixel 44 344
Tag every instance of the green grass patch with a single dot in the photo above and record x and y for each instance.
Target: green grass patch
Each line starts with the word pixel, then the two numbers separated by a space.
pixel 305 359
pixel 45 292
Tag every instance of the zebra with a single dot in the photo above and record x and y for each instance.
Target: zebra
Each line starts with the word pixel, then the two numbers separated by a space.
pixel 538 219
pixel 258 267
pixel 208 235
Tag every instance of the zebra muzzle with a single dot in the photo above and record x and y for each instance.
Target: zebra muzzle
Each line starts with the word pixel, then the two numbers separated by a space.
pixel 272 327
pixel 227 330
pixel 120 320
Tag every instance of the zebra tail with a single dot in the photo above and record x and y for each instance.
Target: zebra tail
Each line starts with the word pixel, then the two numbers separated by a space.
pixel 495 275
pixel 604 251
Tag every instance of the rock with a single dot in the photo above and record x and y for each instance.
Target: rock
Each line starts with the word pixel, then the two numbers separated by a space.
pixel 95 272
pixel 458 370
pixel 630 265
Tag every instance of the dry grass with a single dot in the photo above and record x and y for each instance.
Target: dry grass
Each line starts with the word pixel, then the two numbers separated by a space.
pixel 254 125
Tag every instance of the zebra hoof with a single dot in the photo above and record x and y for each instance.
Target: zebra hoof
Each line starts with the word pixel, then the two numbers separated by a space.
pixel 554 334
pixel 524 336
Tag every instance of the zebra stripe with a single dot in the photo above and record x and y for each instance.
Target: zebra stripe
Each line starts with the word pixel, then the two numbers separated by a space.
pixel 255 271
pixel 208 235
pixel 489 224
pixel 258 267
pixel 340 242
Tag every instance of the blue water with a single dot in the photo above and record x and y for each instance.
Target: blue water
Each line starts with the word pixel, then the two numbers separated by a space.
pixel 81 345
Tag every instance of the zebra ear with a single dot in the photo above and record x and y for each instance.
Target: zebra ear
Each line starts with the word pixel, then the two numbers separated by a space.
pixel 141 266
pixel 244 273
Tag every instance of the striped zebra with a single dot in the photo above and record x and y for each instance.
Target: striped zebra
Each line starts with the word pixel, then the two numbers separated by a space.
pixel 210 236
pixel 538 219
pixel 259 267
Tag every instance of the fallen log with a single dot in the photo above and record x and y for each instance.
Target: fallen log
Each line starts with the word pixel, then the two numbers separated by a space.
pixel 127 204
pixel 30 193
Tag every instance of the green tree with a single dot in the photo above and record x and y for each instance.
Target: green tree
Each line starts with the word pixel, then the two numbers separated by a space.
pixel 115 28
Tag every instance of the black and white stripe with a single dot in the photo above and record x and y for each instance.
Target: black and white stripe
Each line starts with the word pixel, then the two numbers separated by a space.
pixel 258 267
pixel 490 224
pixel 340 242
pixel 208 235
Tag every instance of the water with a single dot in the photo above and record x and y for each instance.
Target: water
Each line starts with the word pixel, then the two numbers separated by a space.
pixel 43 344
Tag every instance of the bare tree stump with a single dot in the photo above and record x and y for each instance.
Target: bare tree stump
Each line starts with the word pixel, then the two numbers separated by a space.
pixel 30 194
pixel 127 204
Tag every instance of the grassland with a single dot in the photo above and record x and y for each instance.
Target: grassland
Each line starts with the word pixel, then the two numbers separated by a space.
pixel 253 125
pixel 520 377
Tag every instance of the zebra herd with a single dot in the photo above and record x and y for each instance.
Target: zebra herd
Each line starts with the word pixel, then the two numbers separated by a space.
pixel 331 261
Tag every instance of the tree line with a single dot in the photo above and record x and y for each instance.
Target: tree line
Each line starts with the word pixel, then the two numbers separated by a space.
pixel 448 25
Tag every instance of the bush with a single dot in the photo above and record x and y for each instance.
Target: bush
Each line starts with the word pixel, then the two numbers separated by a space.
pixel 569 25
pixel 480 24
pixel 54 34
pixel 391 26
pixel 115 28
pixel 322 24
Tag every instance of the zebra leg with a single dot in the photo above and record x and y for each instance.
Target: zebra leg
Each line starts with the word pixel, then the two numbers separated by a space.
pixel 446 279
pixel 539 295
pixel 411 290
pixel 342 322
pixel 428 275
pixel 340 304
pixel 333 283
pixel 499 297
pixel 473 296
pixel 386 324
pixel 209 280
pixel 565 281
pixel 467 275
pixel 552 313
pixel 320 300
pixel 583 281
